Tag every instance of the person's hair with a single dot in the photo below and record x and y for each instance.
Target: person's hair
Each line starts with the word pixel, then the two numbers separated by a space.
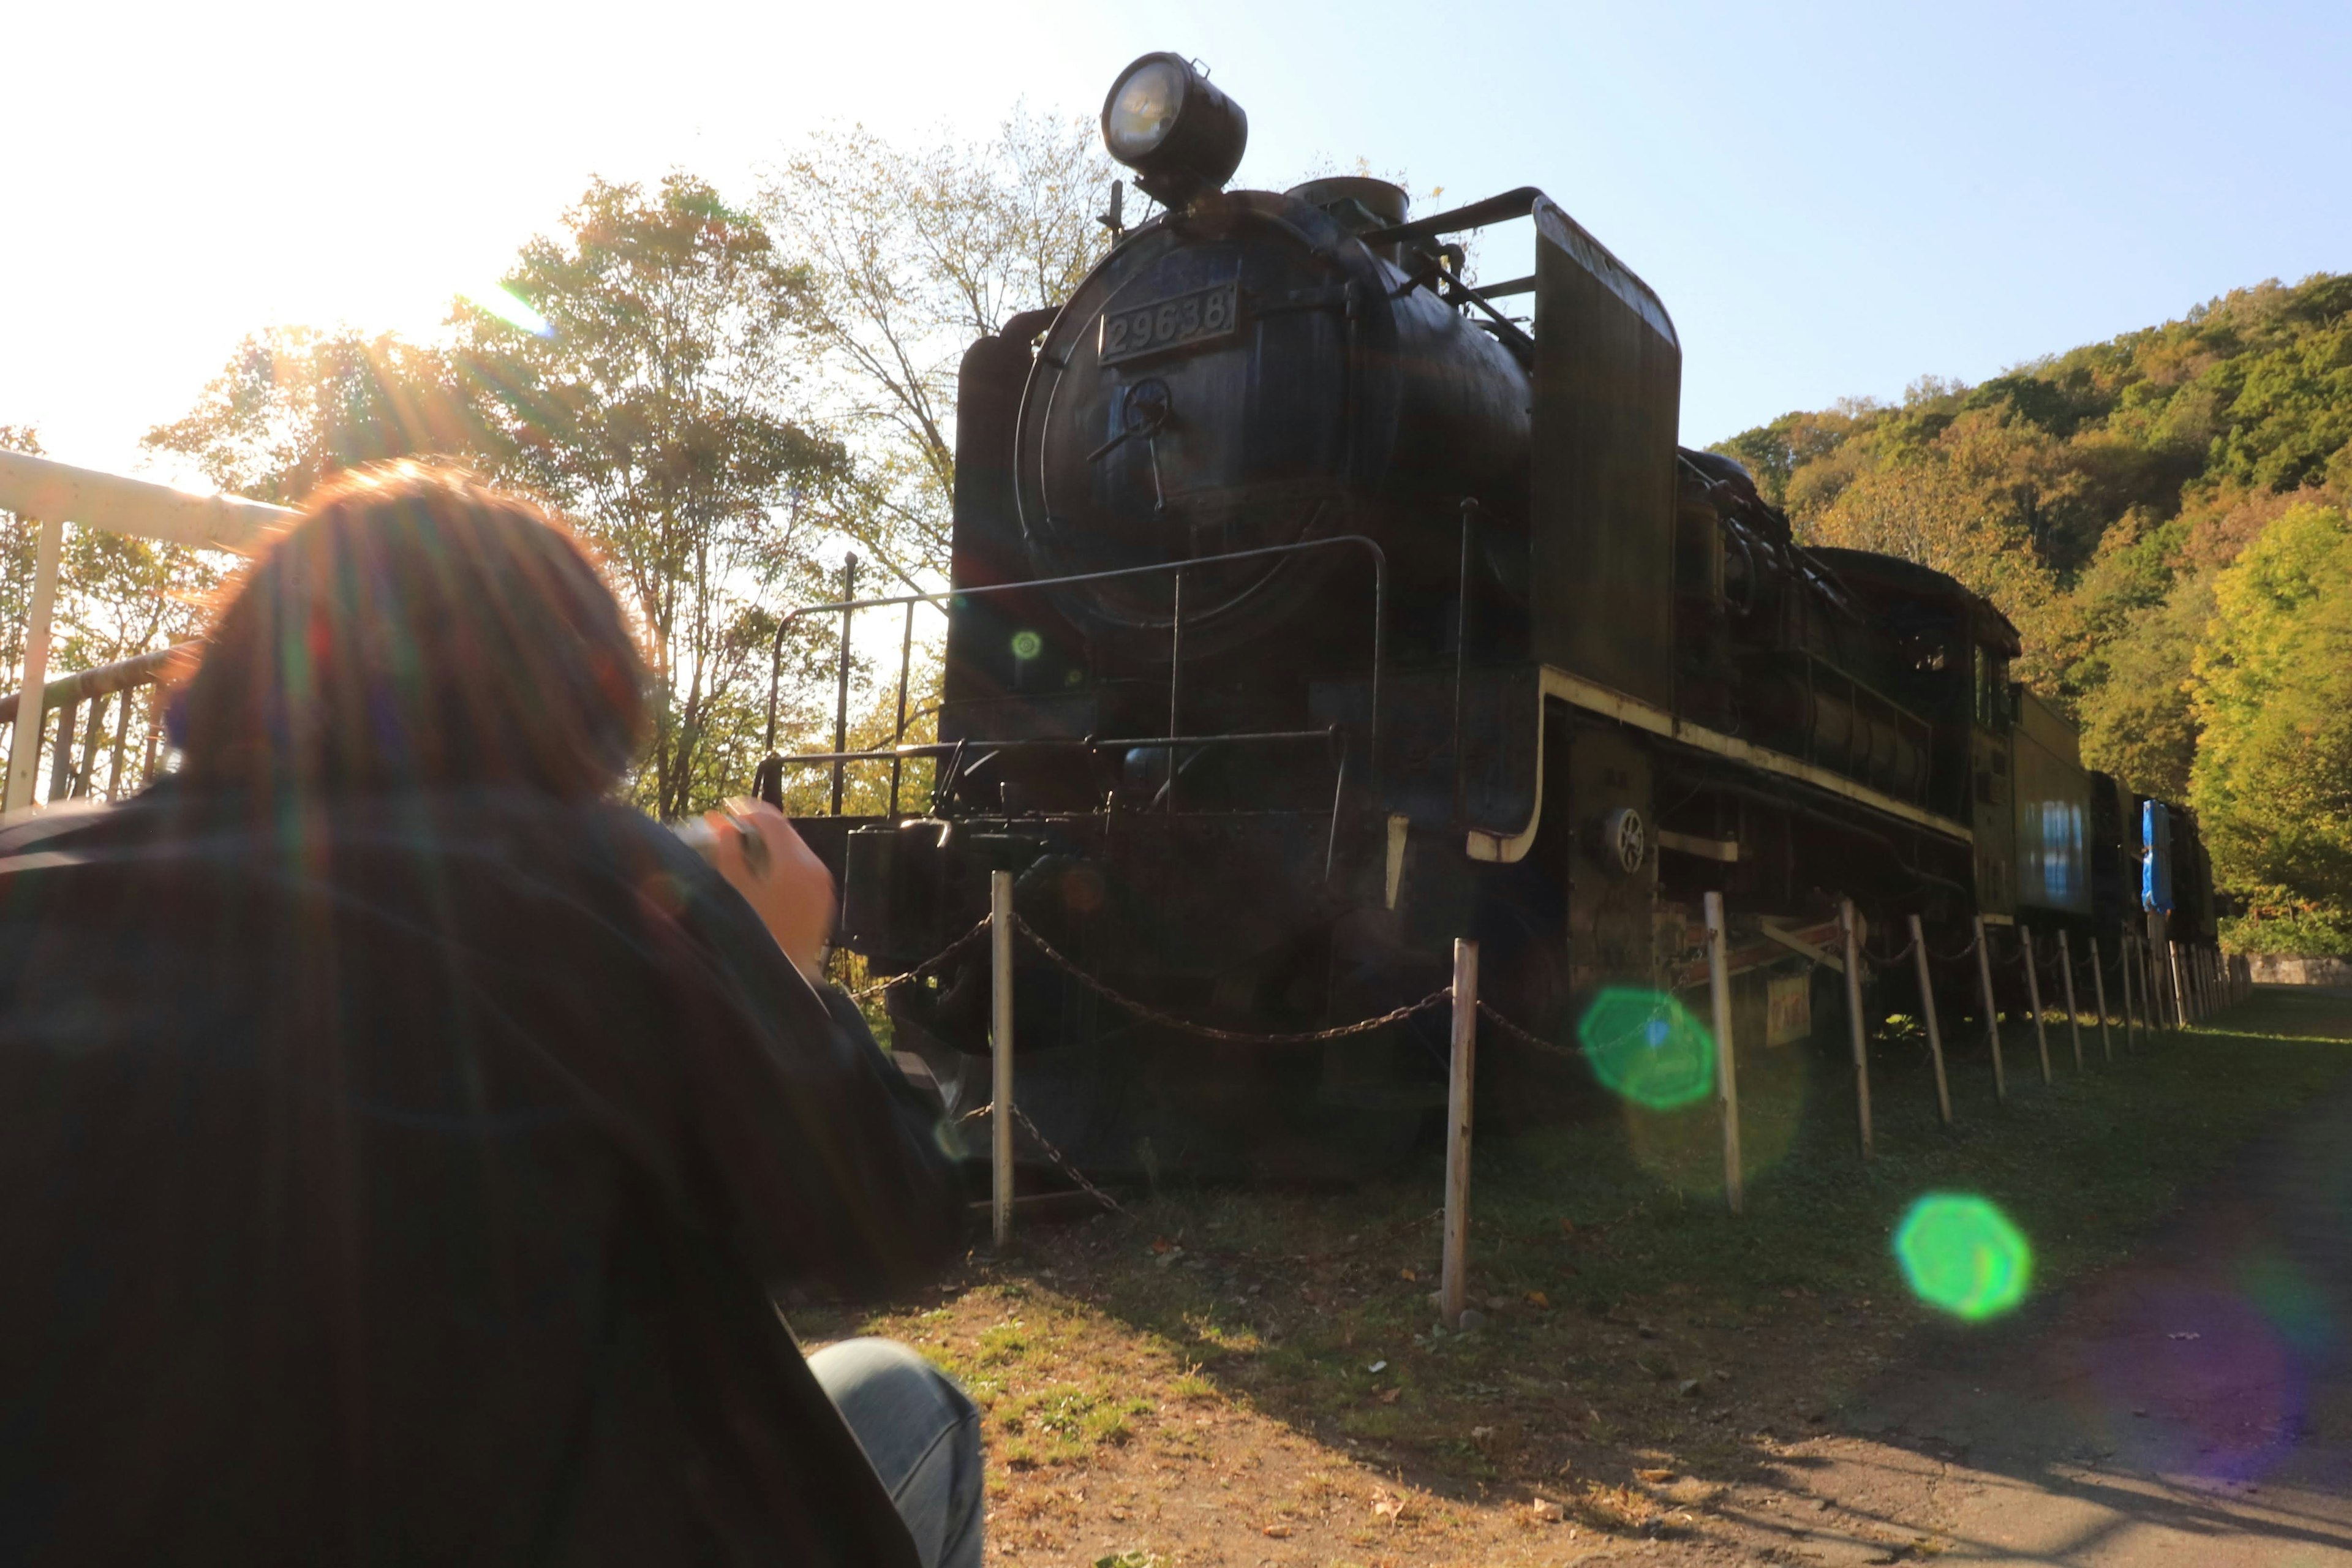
pixel 415 629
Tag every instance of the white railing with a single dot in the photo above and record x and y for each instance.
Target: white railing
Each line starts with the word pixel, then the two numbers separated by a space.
pixel 51 494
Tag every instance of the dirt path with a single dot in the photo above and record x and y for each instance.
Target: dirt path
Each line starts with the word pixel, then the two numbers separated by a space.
pixel 2192 1405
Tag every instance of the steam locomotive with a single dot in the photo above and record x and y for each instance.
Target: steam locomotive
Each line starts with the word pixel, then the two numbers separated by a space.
pixel 1310 611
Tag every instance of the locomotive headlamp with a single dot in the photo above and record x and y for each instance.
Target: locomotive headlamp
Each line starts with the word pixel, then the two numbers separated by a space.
pixel 1180 135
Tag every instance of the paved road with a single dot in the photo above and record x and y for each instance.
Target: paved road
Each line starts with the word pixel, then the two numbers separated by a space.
pixel 2192 1406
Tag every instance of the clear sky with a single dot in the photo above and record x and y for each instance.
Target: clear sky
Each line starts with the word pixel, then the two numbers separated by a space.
pixel 1832 199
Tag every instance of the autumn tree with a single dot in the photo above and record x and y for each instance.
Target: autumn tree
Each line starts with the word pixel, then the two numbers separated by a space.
pixel 651 409
pixel 295 405
pixel 913 253
pixel 2272 779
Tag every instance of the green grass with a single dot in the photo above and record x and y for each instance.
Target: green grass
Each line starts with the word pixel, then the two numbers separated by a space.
pixel 1619 1216
pixel 1641 1328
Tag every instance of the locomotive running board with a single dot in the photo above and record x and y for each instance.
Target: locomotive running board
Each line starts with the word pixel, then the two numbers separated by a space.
pixel 1595 698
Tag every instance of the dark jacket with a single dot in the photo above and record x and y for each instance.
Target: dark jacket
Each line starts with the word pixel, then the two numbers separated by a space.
pixel 406 1180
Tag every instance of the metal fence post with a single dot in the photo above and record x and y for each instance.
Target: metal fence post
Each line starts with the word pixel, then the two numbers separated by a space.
pixel 1991 1011
pixel 1453 1282
pixel 2099 994
pixel 1934 1035
pixel 1854 1032
pixel 2033 995
pixel 1727 1059
pixel 1000 1046
pixel 2074 1012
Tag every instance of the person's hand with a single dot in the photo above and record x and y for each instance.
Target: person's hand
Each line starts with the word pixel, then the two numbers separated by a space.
pixel 792 892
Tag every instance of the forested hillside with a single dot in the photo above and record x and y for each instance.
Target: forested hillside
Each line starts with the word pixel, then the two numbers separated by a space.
pixel 2164 516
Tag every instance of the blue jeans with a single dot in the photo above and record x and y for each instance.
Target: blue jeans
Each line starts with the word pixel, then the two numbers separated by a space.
pixel 921 1433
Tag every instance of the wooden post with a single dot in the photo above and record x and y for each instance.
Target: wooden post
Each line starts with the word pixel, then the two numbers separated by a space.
pixel 1991 1011
pixel 2033 994
pixel 2180 993
pixel 1846 922
pixel 1454 1282
pixel 122 733
pixel 2129 1018
pixel 94 732
pixel 2153 985
pixel 154 734
pixel 2141 977
pixel 61 759
pixel 1727 1059
pixel 2099 986
pixel 999 1042
pixel 2074 1013
pixel 25 736
pixel 1934 1035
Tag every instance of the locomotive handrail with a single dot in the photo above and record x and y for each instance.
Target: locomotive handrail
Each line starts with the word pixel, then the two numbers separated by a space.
pixel 1502 208
pixel 1079 742
pixel 909 601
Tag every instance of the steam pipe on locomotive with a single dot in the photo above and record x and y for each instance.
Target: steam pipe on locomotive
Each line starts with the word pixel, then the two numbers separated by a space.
pixel 1599 678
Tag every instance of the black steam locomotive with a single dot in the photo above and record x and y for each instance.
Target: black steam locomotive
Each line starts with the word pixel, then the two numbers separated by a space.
pixel 1312 611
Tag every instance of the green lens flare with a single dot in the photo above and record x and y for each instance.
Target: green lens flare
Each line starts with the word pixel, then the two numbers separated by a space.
pixel 1644 1045
pixel 509 307
pixel 1961 1254
pixel 1027 645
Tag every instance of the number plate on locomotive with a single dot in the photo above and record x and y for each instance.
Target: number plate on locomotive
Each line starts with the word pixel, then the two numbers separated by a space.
pixel 1131 333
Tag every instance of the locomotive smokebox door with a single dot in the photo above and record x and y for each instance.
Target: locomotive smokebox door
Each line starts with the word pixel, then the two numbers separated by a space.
pixel 1613 876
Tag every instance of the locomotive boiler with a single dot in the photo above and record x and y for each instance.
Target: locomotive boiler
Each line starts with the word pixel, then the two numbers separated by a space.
pixel 1310 609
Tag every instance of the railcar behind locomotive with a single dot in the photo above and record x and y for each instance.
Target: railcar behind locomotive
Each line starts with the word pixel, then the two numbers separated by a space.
pixel 1312 611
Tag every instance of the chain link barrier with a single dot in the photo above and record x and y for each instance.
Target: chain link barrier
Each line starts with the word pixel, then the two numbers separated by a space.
pixel 1967 949
pixel 1062 1163
pixel 2028 958
pixel 880 986
pixel 1210 1031
pixel 1899 954
pixel 1524 1036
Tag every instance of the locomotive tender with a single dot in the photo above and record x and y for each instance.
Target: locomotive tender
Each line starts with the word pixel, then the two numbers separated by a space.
pixel 1310 612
